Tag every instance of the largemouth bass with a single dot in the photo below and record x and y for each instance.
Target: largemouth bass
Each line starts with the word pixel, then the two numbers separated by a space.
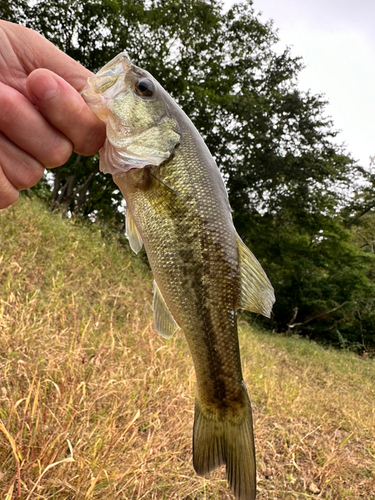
pixel 177 207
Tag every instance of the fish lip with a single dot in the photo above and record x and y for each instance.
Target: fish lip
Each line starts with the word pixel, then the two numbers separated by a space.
pixel 90 97
pixel 118 66
pixel 121 58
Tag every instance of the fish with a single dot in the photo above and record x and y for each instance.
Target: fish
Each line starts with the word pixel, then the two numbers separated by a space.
pixel 177 207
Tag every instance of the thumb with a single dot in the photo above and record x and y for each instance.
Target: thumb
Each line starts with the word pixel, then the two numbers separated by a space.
pixel 64 108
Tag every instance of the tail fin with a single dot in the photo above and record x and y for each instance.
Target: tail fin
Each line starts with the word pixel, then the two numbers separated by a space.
pixel 218 441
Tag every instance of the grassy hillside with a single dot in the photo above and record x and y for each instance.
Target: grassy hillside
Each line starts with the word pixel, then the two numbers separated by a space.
pixel 94 404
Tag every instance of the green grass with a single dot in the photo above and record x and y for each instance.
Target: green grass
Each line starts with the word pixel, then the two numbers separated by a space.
pixel 94 404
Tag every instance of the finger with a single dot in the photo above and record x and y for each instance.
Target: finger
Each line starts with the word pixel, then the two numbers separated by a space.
pixel 66 110
pixel 8 193
pixel 26 127
pixel 21 169
pixel 35 51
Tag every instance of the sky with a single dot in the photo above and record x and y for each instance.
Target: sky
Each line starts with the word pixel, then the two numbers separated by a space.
pixel 336 40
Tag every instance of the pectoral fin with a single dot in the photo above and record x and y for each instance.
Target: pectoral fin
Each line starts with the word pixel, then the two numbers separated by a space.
pixel 257 293
pixel 164 322
pixel 135 239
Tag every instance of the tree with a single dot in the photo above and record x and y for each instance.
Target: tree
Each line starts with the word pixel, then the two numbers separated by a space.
pixel 15 11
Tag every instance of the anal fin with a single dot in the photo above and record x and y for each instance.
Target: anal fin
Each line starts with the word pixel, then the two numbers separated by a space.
pixel 257 293
pixel 164 322
pixel 132 233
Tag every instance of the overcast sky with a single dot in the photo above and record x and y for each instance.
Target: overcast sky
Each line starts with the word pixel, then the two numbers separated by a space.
pixel 336 39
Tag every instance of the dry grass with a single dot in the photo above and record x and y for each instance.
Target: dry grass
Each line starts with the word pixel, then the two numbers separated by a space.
pixel 94 404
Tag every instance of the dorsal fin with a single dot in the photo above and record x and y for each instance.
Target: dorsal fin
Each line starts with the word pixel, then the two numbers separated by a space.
pixel 135 239
pixel 257 293
pixel 164 322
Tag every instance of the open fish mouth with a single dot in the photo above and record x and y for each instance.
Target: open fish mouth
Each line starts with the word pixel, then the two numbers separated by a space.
pixel 140 130
pixel 106 84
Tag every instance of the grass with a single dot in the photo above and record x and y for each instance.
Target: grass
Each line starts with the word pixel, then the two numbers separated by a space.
pixel 94 404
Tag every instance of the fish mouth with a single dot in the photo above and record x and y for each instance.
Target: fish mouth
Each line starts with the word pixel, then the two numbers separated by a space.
pixel 149 136
pixel 120 64
pixel 106 84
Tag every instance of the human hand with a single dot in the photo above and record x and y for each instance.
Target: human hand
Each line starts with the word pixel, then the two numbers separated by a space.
pixel 43 118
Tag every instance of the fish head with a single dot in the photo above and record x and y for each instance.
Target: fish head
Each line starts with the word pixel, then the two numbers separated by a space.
pixel 141 129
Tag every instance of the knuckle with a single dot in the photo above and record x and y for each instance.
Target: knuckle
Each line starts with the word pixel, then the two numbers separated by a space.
pixel 10 108
pixel 89 137
pixel 59 153
pixel 8 193
pixel 30 177
pixel 7 201
pixel 91 143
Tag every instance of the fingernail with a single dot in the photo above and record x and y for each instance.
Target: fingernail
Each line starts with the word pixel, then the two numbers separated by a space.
pixel 44 87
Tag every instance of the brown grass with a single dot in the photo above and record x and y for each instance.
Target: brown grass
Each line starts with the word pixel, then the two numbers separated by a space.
pixel 94 404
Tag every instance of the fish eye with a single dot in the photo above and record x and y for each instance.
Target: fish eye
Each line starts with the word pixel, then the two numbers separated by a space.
pixel 144 88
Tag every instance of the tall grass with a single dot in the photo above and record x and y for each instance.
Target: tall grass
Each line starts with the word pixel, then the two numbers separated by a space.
pixel 95 404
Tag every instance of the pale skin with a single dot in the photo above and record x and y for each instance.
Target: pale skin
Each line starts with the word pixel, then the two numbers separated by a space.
pixel 43 118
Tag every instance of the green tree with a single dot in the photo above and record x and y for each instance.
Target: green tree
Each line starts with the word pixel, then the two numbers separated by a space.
pixel 15 11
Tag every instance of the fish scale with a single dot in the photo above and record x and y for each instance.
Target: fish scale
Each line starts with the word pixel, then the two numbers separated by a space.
pixel 177 206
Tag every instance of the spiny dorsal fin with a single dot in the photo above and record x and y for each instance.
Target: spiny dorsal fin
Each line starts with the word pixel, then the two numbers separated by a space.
pixel 164 322
pixel 256 290
pixel 135 239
